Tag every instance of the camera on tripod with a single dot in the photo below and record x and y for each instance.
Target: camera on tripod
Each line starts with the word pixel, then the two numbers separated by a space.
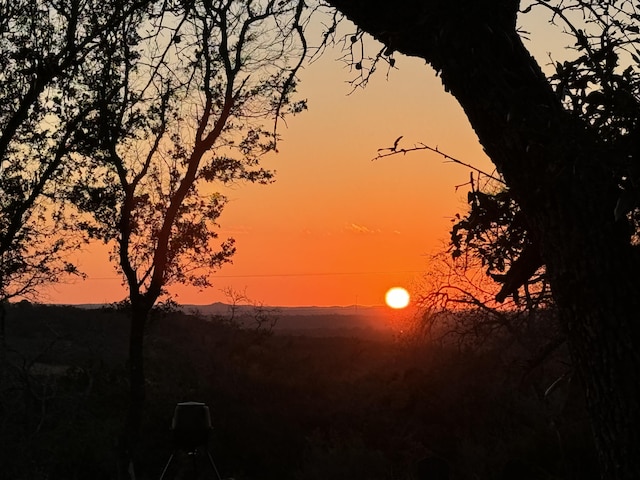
pixel 191 428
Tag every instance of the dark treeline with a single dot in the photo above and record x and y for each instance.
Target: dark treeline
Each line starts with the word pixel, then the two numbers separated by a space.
pixel 283 406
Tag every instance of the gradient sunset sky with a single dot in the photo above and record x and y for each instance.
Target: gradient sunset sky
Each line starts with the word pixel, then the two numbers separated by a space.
pixel 337 228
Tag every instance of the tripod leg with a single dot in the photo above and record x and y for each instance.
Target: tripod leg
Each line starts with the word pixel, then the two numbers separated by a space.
pixel 166 467
pixel 213 465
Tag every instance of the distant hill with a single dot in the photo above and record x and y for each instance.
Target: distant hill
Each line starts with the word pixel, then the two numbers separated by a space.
pixel 308 320
pixel 313 320
pixel 220 308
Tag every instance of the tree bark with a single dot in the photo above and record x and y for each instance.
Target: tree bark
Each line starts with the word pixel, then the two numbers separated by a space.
pixel 130 440
pixel 560 175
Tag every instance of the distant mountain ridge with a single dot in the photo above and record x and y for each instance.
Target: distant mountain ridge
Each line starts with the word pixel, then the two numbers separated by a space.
pixel 307 320
pixel 220 308
pixel 312 320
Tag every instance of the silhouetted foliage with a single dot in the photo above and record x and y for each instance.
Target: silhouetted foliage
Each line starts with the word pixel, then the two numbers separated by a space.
pixel 48 55
pixel 566 148
pixel 600 85
pixel 189 96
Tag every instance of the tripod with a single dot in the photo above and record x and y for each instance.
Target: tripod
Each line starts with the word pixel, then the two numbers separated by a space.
pixel 194 471
pixel 191 427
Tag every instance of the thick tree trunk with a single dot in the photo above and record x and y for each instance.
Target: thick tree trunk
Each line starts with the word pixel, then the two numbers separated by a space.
pixel 136 371
pixel 560 175
pixel 131 433
pixel 3 330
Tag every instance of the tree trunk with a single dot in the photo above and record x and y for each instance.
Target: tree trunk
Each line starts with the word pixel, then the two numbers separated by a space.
pixel 131 434
pixel 559 173
pixel 3 329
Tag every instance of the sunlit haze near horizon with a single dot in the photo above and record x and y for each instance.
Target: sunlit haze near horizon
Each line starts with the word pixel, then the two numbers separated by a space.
pixel 336 227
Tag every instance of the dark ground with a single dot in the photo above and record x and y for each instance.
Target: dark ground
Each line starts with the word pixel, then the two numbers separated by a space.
pixel 335 406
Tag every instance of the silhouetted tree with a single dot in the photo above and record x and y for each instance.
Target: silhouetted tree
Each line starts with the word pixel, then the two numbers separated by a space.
pixel 191 93
pixel 47 50
pixel 569 164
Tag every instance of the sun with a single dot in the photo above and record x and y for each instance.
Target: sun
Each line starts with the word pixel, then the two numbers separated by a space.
pixel 397 297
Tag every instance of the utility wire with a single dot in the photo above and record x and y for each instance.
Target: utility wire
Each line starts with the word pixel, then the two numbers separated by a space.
pixel 270 275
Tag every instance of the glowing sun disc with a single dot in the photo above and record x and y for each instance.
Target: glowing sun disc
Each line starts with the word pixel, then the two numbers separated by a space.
pixel 397 297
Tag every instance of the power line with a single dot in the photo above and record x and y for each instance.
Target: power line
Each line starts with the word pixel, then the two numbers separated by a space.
pixel 307 274
pixel 320 274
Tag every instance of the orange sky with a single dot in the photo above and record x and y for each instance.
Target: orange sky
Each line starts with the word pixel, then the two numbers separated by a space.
pixel 336 228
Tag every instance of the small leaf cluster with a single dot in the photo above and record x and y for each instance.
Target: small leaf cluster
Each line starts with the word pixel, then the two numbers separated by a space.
pixel 494 229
